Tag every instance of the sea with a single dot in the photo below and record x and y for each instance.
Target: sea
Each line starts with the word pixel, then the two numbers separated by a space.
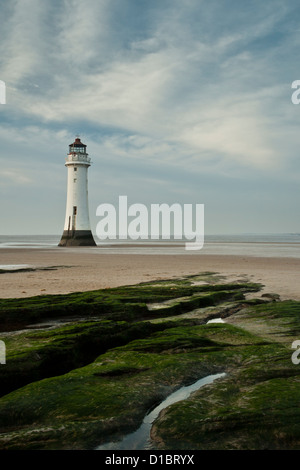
pixel 258 245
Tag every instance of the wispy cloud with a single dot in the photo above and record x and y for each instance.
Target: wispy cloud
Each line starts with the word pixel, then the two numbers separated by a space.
pixel 12 176
pixel 200 88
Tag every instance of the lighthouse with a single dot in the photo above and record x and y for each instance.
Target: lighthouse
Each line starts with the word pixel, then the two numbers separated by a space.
pixel 77 230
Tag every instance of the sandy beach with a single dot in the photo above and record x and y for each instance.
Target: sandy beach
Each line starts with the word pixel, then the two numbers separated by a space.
pixel 86 269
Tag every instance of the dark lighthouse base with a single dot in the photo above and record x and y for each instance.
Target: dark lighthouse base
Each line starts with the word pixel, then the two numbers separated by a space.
pixel 77 238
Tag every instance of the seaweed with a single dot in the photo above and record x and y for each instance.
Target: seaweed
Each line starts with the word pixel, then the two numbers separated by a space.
pixel 100 359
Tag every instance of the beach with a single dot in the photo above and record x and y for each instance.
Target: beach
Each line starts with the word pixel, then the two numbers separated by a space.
pixel 61 271
pixel 117 354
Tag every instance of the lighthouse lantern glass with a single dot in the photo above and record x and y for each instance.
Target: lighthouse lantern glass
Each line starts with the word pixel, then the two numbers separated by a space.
pixel 75 149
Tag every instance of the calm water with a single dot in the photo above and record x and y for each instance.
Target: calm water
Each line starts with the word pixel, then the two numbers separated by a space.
pixel 140 439
pixel 279 245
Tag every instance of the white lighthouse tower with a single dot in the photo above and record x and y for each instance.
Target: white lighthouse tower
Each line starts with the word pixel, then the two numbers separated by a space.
pixel 77 231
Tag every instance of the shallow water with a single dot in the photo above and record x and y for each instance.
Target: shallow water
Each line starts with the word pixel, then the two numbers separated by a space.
pixel 140 439
pixel 216 320
pixel 261 245
pixel 12 267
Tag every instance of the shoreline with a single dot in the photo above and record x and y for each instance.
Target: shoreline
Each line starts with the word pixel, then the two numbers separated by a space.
pixel 62 271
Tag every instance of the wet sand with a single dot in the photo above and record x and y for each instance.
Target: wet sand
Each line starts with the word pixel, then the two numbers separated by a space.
pixel 74 270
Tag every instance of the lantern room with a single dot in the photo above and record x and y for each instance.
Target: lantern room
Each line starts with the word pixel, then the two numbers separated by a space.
pixel 77 146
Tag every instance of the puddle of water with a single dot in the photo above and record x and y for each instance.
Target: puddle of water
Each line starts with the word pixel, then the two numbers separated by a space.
pixel 11 267
pixel 216 320
pixel 140 439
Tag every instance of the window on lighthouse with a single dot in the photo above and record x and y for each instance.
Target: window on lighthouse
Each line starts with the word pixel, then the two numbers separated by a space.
pixel 74 149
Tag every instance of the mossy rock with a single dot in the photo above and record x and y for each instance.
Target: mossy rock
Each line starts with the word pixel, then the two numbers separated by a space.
pixel 91 381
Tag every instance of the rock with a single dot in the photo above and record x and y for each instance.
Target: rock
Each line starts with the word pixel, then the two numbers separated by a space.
pixel 271 296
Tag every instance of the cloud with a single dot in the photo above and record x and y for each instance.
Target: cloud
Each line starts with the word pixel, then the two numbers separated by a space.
pixel 12 176
pixel 24 32
pixel 164 93
pixel 169 85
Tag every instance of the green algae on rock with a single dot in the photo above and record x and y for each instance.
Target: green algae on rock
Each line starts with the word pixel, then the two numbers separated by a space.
pixel 257 405
pixel 93 377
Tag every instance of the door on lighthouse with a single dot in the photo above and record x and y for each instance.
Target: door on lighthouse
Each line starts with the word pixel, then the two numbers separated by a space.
pixel 74 218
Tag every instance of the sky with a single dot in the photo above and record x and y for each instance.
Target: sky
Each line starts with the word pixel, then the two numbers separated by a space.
pixel 178 101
